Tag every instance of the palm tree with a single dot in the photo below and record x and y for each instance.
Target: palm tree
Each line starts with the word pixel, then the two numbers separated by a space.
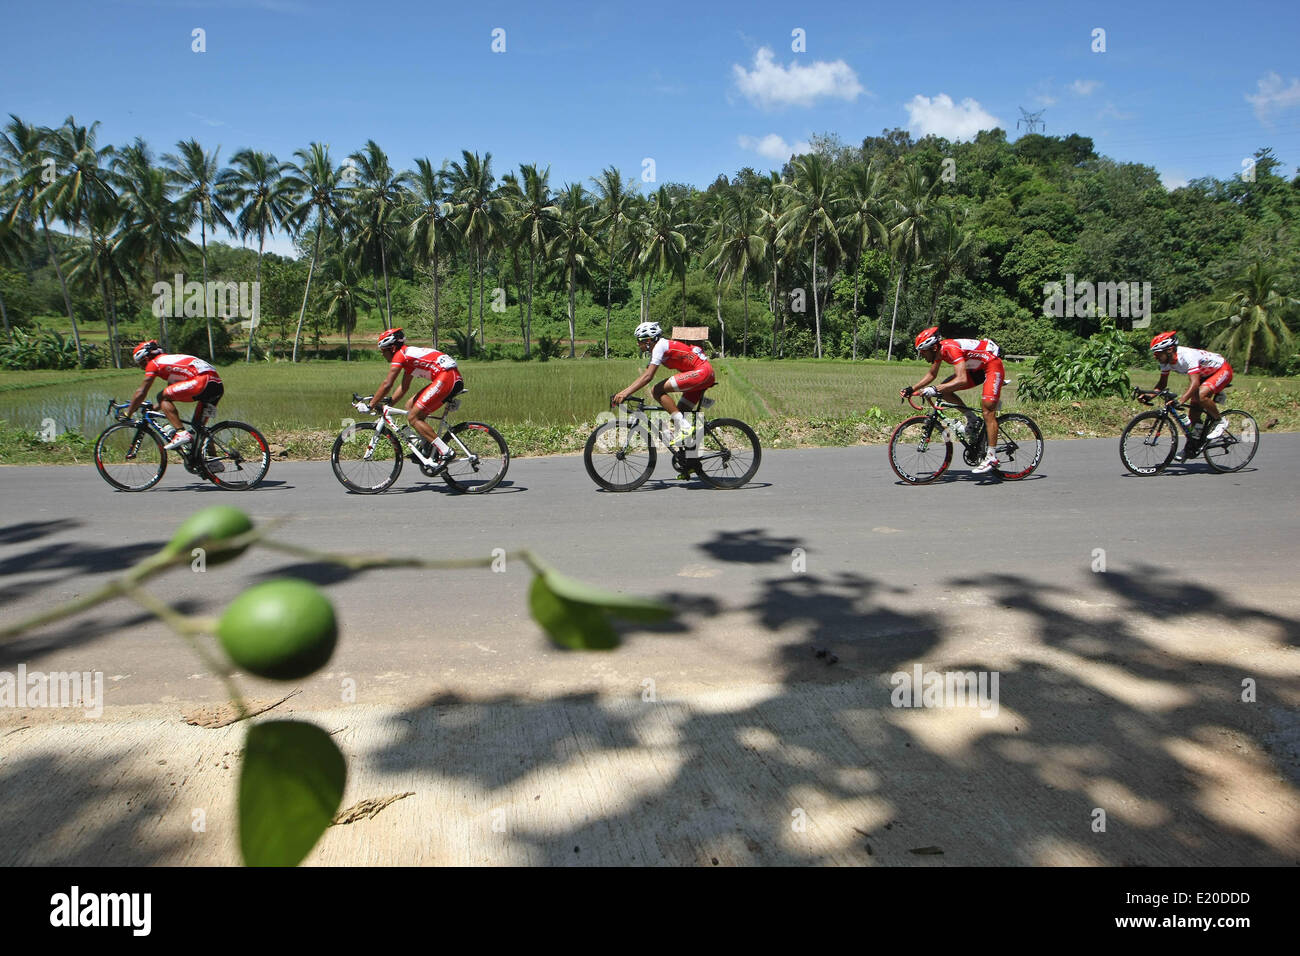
pixel 1253 316
pixel 480 216
pixel 343 296
pixel 256 186
pixel 908 237
pixel 155 227
pixel 637 234
pixel 863 225
pixel 536 218
pixel 770 210
pixel 615 206
pixel 378 198
pixel 315 179
pixel 100 261
pixel 951 250
pixel 813 210
pixel 742 248
pixel 664 247
pixel 432 222
pixel 572 245
pixel 197 174
pixel 81 177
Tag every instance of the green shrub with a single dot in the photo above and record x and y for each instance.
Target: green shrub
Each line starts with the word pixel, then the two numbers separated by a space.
pixel 1097 367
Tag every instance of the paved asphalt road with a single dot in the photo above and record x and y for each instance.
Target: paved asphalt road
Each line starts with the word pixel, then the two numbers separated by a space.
pixel 1121 616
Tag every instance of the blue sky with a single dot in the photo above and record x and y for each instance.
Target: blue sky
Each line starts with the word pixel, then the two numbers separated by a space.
pixel 701 88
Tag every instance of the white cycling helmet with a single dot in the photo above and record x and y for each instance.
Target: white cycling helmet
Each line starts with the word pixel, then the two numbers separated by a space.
pixel 648 330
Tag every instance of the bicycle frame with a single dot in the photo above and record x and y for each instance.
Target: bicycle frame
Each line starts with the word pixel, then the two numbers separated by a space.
pixel 386 423
pixel 1169 413
pixel 152 420
pixel 645 413
pixel 945 423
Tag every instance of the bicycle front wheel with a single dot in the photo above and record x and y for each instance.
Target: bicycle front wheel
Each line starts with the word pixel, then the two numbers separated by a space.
pixel 1233 450
pixel 235 456
pixel 1019 448
pixel 619 456
pixel 919 451
pixel 364 462
pixel 1148 443
pixel 481 458
pixel 130 457
pixel 728 453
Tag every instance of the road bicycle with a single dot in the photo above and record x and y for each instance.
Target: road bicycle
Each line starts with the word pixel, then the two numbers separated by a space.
pixel 130 456
pixel 367 457
pixel 1150 440
pixel 621 454
pixel 920 449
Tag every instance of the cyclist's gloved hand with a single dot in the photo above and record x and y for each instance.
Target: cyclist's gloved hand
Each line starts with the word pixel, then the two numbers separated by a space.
pixel 362 407
pixel 929 392
pixel 907 392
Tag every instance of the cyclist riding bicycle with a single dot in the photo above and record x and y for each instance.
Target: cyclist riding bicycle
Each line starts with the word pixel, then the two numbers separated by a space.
pixel 413 362
pixel 977 362
pixel 189 379
pixel 1208 374
pixel 694 375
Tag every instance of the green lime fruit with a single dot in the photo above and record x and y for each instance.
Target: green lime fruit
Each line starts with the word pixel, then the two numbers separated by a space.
pixel 211 525
pixel 282 629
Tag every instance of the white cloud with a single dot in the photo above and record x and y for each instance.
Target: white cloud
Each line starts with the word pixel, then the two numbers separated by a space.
pixel 774 147
pixel 1110 111
pixel 769 84
pixel 1173 179
pixel 942 117
pixel 1084 87
pixel 1273 97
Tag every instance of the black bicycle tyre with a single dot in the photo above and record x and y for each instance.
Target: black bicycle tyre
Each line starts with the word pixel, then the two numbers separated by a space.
pixel 1155 422
pixel 1216 461
pixel 717 425
pixel 221 478
pixel 638 479
pixel 456 481
pixel 1038 447
pixel 895 442
pixel 398 460
pixel 148 435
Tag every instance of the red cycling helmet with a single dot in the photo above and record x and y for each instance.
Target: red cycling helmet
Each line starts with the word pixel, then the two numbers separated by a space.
pixel 392 337
pixel 927 339
pixel 1165 340
pixel 145 350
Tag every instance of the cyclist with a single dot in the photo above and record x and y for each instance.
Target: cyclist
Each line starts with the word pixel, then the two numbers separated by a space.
pixel 1208 374
pixel 413 362
pixel 694 375
pixel 189 379
pixel 977 362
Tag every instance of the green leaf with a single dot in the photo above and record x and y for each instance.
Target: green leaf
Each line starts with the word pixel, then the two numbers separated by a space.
pixel 577 616
pixel 290 787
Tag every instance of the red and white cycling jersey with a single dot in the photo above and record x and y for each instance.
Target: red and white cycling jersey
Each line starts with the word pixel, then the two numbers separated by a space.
pixel 975 353
pixel 1194 360
pixel 178 368
pixel 422 363
pixel 678 356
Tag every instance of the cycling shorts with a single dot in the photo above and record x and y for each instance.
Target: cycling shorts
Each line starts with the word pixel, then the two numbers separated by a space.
pixel 692 384
pixel 435 393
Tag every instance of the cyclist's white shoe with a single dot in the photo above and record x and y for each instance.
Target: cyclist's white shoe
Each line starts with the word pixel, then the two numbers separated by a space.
pixel 988 464
pixel 179 439
pixel 1218 430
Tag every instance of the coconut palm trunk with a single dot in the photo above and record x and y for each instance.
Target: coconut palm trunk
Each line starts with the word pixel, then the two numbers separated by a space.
pixel 252 322
pixel 722 325
pixel 817 315
pixel 894 321
pixel 315 246
pixel 207 315
pixel 744 295
pixel 63 284
pixel 388 303
pixel 435 293
pixel 572 307
pixel 528 329
pixel 4 316
pixel 855 314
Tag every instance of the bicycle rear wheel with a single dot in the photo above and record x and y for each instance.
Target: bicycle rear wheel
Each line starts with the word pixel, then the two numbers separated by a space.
pixel 130 457
pixel 235 456
pixel 361 469
pixel 919 451
pixel 486 464
pixel 1148 443
pixel 1019 448
pixel 619 456
pixel 728 453
pixel 1234 449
